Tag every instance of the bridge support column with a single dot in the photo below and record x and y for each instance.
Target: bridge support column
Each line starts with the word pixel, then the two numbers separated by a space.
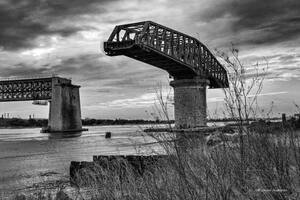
pixel 190 102
pixel 65 113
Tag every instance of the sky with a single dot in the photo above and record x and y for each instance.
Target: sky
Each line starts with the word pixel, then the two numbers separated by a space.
pixel 65 37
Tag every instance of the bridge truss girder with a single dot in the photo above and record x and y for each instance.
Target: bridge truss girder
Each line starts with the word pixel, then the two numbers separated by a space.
pixel 181 55
pixel 26 89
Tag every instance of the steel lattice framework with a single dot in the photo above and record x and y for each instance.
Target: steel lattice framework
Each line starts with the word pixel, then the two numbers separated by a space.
pixel 182 56
pixel 26 89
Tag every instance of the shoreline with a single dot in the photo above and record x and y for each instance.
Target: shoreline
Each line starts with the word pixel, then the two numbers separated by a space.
pixel 109 124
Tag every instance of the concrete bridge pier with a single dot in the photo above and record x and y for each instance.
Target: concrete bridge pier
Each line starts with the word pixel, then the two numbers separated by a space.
pixel 190 102
pixel 65 112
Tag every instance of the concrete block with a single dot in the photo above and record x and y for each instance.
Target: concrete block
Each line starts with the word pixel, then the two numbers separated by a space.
pixel 190 102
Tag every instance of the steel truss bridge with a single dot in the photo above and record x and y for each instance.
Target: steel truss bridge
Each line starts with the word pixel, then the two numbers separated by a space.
pixel 26 89
pixel 182 56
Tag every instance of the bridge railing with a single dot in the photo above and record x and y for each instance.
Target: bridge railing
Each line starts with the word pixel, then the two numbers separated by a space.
pixel 185 49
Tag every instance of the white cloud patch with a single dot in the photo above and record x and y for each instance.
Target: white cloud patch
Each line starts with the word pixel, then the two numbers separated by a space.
pixel 270 94
pixel 221 99
pixel 38 52
pixel 144 100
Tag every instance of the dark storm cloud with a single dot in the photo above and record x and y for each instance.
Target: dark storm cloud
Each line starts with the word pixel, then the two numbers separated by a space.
pixel 84 67
pixel 22 69
pixel 269 21
pixel 23 21
pixel 65 8
pixel 88 70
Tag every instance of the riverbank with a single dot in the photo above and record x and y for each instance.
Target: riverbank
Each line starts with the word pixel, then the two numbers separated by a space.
pixel 34 123
pixel 39 123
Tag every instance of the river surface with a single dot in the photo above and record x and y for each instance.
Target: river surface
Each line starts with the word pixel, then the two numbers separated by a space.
pixel 28 157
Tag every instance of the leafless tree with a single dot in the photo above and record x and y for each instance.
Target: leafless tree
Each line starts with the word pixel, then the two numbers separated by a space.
pixel 241 96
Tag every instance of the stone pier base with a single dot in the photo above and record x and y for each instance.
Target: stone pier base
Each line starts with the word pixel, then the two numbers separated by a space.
pixel 65 112
pixel 190 102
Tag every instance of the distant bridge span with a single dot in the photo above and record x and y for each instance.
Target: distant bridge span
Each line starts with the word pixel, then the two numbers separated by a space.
pixel 26 89
pixel 64 111
pixel 184 57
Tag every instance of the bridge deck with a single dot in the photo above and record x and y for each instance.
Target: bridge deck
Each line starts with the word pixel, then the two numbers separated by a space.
pixel 179 54
pixel 28 89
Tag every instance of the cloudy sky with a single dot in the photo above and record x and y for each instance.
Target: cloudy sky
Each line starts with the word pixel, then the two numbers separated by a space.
pixel 66 37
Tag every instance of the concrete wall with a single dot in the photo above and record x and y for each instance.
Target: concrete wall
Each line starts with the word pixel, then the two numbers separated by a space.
pixel 65 111
pixel 190 102
pixel 81 173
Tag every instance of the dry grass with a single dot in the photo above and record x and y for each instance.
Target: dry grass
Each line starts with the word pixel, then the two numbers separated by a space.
pixel 192 171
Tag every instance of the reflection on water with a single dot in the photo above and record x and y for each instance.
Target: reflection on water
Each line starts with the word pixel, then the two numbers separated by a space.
pixel 58 135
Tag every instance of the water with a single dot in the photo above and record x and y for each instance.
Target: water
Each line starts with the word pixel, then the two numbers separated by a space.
pixel 28 157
